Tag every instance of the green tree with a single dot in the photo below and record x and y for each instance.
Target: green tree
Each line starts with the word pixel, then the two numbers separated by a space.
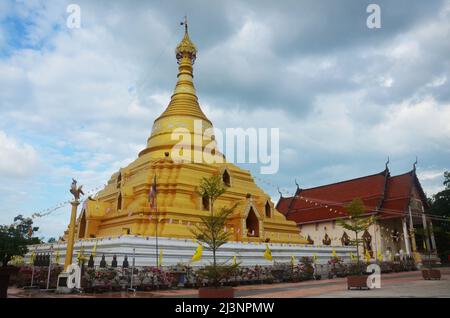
pixel 211 231
pixel 356 223
pixel 440 205
pixel 14 238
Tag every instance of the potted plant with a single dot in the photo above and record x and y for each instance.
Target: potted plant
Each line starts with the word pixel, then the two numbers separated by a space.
pixel 211 232
pixel 14 239
pixel 356 223
pixel 357 278
pixel 430 272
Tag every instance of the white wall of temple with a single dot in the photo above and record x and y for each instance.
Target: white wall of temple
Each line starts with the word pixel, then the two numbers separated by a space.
pixel 180 251
pixel 381 233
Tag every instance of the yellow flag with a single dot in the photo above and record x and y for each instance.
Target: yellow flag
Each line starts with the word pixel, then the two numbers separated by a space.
pixel 333 253
pixel 379 256
pixel 268 253
pixel 33 255
pixel 57 256
pixel 293 260
pixel 160 257
pixel 234 260
pixel 80 255
pixel 352 256
pixel 367 256
pixel 314 257
pixel 424 245
pixel 198 253
pixel 94 250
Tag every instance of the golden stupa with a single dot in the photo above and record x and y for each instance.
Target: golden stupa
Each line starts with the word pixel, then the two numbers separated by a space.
pixel 122 207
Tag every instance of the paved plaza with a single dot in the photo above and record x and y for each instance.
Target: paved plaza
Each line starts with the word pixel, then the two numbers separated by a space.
pixel 406 284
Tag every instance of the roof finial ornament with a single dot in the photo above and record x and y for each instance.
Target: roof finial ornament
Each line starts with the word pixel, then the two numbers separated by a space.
pixel 387 163
pixel 281 194
pixel 414 164
pixel 186 49
pixel 298 187
pixel 185 23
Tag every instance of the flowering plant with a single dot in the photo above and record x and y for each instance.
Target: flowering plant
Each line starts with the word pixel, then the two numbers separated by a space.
pixel 338 267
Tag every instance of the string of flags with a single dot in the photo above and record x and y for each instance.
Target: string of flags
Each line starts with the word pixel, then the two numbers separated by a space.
pixel 48 211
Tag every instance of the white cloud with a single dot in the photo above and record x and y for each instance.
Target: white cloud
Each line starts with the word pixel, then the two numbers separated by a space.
pixel 433 174
pixel 414 125
pixel 437 81
pixel 17 160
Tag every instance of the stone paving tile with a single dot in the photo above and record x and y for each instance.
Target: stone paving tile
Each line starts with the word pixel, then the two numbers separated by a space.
pixel 406 284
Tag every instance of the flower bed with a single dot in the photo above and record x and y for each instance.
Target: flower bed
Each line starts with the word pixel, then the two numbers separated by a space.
pixel 337 268
pixel 151 278
pixel 23 277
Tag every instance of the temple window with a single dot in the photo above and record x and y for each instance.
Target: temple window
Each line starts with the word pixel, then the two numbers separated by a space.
pixel 226 178
pixel 326 240
pixel 119 180
pixel 345 239
pixel 205 203
pixel 119 202
pixel 126 231
pixel 268 210
pixel 252 224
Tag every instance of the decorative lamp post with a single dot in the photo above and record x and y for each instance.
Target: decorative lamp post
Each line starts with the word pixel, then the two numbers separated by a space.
pixel 70 242
pixel 70 277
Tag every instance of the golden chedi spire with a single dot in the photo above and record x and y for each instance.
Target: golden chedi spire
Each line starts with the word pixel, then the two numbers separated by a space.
pixel 184 100
pixel 183 108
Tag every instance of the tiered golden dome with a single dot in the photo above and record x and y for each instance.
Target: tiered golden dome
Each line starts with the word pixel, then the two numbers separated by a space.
pixel 183 108
pixel 122 206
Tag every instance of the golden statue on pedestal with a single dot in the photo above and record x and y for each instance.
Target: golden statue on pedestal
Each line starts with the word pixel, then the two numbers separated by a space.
pixel 76 191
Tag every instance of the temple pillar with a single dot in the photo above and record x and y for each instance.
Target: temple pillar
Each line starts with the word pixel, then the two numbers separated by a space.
pixel 433 241
pixel 406 237
pixel 377 234
pixel 411 232
pixel 425 229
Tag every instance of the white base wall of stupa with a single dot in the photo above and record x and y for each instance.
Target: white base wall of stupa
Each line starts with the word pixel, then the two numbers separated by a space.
pixel 177 251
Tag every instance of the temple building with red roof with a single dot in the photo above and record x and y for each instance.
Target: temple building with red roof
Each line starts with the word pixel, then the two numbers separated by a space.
pixel 398 203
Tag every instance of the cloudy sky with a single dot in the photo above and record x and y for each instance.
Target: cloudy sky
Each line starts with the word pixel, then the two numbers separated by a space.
pixel 81 102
